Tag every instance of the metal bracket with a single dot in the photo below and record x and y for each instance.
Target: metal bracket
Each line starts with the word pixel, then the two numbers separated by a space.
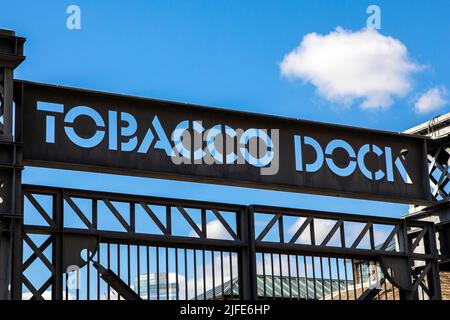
pixel 73 245
pixel 395 270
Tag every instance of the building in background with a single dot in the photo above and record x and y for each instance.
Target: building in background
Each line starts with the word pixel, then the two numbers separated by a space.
pixel 166 290
pixel 276 287
pixel 438 130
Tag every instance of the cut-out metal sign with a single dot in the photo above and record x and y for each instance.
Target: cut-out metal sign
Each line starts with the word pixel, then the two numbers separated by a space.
pixel 86 130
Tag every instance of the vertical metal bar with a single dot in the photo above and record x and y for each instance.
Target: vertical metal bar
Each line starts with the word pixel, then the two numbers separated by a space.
pixel 128 266
pixel 314 276
pixel 433 276
pixel 195 273
pixel 57 250
pixel 231 275
pixel 157 273
pixel 176 274
pixel 95 213
pixel 281 275
pixel 361 275
pixel 204 227
pixel 88 280
pixel 77 289
pixel 16 280
pixel 8 93
pixel 404 244
pixel 339 279
pixel 342 229
pixel 118 266
pixel 346 279
pixel 167 273
pixel 169 220
pixel 371 237
pixel 213 274
pixel 289 275
pixel 322 278
pixel 132 217
pixel 385 290
pixel 148 272
pixel 312 232
pixel 306 277
pixel 331 277
pixel 393 292
pixel 138 269
pixel 108 251
pixel 95 225
pixel 273 276
pixel 338 276
pixel 204 272
pixel 185 275
pixel 281 229
pixel 298 277
pixel 221 274
pixel 67 287
pixel 247 273
pixel 354 279
pixel 264 275
pixel 98 272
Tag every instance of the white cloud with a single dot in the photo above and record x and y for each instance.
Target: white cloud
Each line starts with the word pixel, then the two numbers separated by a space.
pixel 431 100
pixel 345 66
pixel 214 230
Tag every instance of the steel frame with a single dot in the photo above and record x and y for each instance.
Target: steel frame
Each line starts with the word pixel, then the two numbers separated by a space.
pixel 414 273
pixel 11 55
pixel 56 230
pixel 67 242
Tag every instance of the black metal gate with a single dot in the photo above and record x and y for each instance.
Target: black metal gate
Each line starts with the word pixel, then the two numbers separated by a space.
pixel 290 254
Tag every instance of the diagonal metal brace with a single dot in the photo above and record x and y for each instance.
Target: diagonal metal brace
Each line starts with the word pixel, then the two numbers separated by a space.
pixel 73 246
pixel 116 283
pixel 372 292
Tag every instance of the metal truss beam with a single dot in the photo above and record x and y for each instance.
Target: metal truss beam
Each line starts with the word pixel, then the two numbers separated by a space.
pixel 11 55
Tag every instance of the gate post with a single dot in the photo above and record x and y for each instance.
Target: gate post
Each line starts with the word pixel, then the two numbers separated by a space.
pixel 404 245
pixel 433 278
pixel 247 258
pixel 438 212
pixel 11 55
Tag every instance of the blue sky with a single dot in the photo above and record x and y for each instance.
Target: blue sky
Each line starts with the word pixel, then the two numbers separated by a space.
pixel 226 54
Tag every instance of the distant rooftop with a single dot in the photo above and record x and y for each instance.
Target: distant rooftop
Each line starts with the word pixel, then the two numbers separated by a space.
pixel 279 287
pixel 435 128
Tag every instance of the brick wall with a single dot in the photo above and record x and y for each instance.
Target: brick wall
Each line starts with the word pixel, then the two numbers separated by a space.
pixel 445 284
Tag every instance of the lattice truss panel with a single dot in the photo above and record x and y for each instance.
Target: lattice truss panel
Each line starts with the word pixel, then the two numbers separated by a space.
pixel 346 274
pixel 438 168
pixel 138 240
pixel 166 249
